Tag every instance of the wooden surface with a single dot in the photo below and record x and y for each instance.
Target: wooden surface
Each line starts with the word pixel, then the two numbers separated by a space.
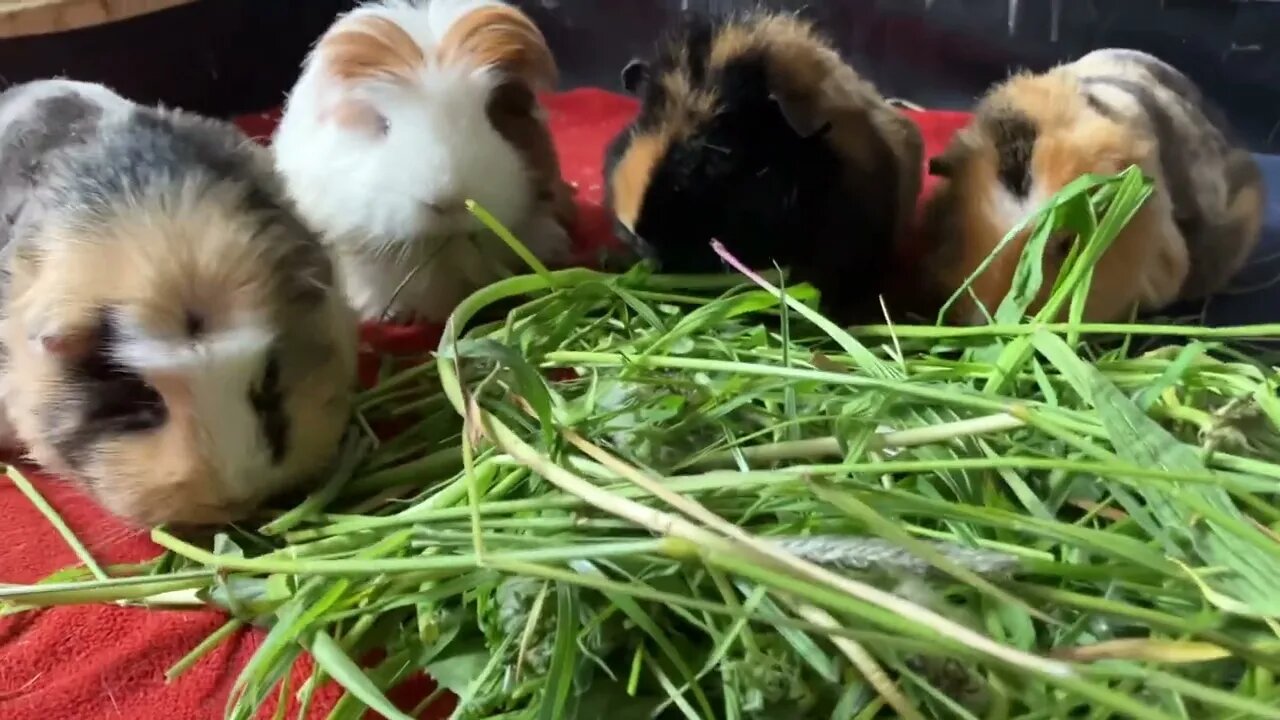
pixel 39 17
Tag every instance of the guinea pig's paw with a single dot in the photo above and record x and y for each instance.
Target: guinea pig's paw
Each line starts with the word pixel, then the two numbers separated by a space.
pixel 1163 275
pixel 548 240
pixel 10 441
pixel 1172 262
pixel 398 317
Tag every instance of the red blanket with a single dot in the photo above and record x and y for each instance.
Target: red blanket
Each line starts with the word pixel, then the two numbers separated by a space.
pixel 107 662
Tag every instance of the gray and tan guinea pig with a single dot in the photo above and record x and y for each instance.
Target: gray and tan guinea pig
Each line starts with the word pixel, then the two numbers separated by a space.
pixel 1036 133
pixel 754 132
pixel 172 337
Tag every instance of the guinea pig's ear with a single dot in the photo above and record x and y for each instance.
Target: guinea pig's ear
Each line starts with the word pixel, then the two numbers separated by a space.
pixel 945 163
pixel 635 76
pixel 361 49
pixel 59 332
pixel 801 115
pixel 68 346
pixel 504 38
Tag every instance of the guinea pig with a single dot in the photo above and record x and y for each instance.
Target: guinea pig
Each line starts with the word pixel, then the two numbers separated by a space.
pixel 754 132
pixel 1111 109
pixel 403 112
pixel 172 336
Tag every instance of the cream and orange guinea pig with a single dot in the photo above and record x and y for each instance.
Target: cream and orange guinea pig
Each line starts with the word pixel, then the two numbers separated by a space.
pixel 1036 133
pixel 754 132
pixel 404 111
pixel 171 335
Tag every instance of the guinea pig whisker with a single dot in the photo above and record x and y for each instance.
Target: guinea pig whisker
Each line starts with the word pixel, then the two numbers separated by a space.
pixel 386 311
pixel 404 251
pixel 718 148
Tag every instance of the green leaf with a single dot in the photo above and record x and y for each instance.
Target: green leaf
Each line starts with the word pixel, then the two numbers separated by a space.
pixel 330 656
pixel 529 382
pixel 555 695
pixel 1206 517
pixel 458 663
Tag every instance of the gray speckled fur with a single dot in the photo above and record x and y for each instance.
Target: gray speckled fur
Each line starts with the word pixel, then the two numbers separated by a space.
pixel 33 133
pixel 74 152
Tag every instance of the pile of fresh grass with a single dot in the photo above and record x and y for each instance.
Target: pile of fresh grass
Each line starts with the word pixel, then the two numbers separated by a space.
pixel 644 496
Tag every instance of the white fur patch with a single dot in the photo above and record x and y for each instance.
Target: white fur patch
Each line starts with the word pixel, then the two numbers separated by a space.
pixel 1008 209
pixel 369 196
pixel 219 370
pixel 439 146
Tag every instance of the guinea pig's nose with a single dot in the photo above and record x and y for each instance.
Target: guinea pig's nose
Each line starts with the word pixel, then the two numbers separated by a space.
pixel 447 206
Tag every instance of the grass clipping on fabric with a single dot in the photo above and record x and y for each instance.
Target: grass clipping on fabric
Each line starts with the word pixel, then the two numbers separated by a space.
pixel 648 496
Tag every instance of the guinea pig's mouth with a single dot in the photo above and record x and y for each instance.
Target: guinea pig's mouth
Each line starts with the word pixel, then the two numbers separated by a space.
pixel 449 218
pixel 633 249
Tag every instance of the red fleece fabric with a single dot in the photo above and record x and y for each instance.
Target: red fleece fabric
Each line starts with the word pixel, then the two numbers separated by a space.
pixel 106 662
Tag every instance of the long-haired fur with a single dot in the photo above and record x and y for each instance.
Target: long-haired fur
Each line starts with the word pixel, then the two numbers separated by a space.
pixel 1035 133
pixel 755 132
pixel 404 110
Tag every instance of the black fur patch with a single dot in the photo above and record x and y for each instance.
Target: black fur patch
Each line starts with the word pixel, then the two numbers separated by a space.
pixel 1165 74
pixel 112 401
pixel 746 178
pixel 268 403
pixel 1098 105
pixel 1014 135
pixel 699 32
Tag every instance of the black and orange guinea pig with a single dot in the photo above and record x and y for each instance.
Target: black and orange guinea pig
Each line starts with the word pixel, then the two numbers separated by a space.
pixel 171 336
pixel 1111 109
pixel 754 132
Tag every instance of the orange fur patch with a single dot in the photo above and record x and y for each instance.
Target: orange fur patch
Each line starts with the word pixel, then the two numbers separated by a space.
pixel 1072 140
pixel 631 175
pixel 504 38
pixel 685 107
pixel 800 59
pixel 370 47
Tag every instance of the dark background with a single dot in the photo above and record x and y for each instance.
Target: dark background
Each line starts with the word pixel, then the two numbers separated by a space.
pixel 229 56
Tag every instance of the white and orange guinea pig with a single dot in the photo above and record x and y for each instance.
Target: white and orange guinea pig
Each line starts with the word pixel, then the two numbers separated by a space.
pixel 1036 133
pixel 404 111
pixel 171 335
